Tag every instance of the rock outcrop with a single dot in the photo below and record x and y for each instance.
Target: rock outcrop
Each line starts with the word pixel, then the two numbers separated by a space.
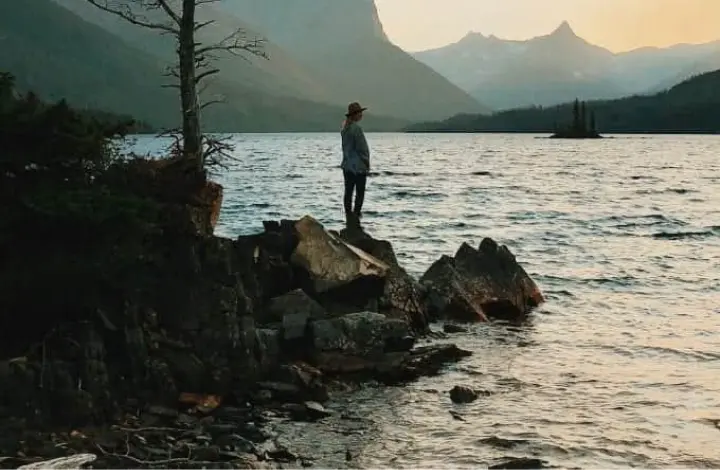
pixel 477 285
pixel 180 311
pixel 273 316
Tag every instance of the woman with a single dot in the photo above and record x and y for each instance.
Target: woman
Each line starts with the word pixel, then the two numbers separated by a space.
pixel 355 163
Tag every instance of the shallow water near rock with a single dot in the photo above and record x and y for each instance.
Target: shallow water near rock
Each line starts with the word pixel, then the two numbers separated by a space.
pixel 620 368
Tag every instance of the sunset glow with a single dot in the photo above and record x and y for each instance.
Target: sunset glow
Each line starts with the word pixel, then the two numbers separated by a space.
pixel 615 24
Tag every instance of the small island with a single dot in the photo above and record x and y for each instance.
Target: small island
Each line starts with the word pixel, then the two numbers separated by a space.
pixel 581 127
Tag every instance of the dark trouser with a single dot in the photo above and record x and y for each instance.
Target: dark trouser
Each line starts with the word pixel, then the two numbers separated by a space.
pixel 354 181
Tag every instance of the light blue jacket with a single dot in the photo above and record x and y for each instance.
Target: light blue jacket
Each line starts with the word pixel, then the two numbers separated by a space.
pixel 356 154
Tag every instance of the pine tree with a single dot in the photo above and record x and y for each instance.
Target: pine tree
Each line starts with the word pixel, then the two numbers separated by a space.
pixel 576 115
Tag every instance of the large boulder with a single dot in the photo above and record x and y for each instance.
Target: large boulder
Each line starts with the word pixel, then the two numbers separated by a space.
pixel 401 296
pixel 479 284
pixel 372 346
pixel 334 271
pixel 364 334
pixel 445 294
pixel 295 302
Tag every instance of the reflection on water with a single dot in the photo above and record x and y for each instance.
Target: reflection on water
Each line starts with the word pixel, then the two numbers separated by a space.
pixel 619 368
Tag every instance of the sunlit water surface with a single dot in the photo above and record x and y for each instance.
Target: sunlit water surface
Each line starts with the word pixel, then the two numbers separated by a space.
pixel 620 368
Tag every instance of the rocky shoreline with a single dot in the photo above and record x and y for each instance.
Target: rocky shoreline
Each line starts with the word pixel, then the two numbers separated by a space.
pixel 202 340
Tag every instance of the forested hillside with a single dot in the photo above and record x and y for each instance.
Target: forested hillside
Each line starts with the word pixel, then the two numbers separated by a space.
pixel 691 106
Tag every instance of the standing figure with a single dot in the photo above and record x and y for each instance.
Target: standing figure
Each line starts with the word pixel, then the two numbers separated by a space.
pixel 355 163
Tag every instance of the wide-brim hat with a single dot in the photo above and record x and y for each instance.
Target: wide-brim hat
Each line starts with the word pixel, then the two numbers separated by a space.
pixel 354 108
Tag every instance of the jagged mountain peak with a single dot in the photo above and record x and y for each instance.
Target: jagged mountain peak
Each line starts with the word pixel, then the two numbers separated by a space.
pixel 472 37
pixel 298 23
pixel 564 30
pixel 475 34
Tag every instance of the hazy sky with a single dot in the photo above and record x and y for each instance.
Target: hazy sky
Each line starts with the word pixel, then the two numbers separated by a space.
pixel 616 24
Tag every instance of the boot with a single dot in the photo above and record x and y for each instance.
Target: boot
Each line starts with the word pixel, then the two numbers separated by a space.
pixel 358 216
pixel 351 220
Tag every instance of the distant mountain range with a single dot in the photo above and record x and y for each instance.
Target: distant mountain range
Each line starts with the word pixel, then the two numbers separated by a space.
pixel 692 106
pixel 323 54
pixel 561 66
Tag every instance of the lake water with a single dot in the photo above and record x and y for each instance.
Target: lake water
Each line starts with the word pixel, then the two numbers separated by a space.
pixel 620 368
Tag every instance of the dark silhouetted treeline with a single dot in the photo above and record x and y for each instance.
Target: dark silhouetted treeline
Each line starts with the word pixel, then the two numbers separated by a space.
pixel 693 106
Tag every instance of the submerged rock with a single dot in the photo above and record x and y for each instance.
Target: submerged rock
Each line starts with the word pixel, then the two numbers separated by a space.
pixel 479 284
pixel 308 411
pixel 519 463
pixel 391 368
pixel 463 394
pixel 420 362
pixel 452 328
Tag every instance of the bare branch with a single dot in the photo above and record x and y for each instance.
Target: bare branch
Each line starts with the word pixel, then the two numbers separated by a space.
pixel 237 43
pixel 210 103
pixel 172 72
pixel 201 25
pixel 127 14
pixel 216 150
pixel 168 9
pixel 206 74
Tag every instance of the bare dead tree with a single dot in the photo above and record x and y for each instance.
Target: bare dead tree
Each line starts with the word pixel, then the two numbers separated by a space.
pixel 178 18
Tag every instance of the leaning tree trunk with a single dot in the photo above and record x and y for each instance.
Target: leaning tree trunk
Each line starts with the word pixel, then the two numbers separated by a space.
pixel 192 137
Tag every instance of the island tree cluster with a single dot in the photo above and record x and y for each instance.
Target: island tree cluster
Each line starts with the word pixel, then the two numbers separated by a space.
pixel 582 127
